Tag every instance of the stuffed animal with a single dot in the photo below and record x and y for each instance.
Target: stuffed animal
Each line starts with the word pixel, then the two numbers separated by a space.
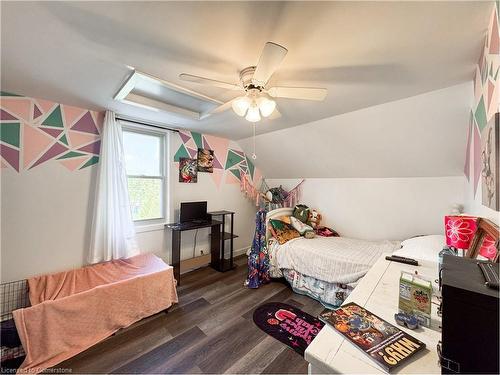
pixel 309 234
pixel 314 219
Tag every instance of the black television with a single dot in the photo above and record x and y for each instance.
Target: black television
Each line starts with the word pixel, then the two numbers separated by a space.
pixel 193 211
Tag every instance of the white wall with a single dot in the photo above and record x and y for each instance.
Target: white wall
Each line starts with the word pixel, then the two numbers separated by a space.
pixel 381 208
pixel 420 136
pixel 46 215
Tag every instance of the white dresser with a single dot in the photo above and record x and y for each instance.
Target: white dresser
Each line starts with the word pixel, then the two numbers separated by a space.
pixel 378 292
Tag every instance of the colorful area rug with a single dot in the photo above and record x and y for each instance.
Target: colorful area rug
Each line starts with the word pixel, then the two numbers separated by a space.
pixel 287 324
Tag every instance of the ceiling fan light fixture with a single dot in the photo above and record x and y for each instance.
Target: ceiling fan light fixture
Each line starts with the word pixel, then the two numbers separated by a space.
pixel 253 114
pixel 240 105
pixel 266 106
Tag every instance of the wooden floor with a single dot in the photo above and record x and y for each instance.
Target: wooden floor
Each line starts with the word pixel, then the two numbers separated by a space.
pixel 210 331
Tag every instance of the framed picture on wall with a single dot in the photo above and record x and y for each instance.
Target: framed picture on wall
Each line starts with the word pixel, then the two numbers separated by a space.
pixel 490 164
pixel 205 160
pixel 188 170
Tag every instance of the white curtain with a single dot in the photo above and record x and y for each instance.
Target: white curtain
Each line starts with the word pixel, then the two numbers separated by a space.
pixel 113 232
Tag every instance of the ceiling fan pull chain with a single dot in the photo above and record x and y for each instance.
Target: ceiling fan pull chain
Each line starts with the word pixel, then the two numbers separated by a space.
pixel 254 156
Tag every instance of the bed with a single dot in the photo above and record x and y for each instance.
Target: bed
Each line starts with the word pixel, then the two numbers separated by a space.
pixel 324 268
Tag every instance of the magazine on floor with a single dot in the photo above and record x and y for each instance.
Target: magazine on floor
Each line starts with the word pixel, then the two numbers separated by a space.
pixel 387 345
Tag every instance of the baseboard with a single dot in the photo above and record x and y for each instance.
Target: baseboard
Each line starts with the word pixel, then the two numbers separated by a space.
pixel 204 260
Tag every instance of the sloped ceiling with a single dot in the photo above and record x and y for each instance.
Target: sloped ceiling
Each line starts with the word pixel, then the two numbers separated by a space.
pixel 421 136
pixel 365 53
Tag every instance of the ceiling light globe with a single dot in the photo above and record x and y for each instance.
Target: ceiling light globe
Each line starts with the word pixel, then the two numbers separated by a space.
pixel 253 114
pixel 266 106
pixel 240 105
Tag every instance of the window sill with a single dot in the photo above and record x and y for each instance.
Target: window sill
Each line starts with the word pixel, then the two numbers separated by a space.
pixel 142 228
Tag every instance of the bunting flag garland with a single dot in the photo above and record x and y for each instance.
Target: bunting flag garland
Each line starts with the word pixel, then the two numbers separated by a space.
pixel 293 196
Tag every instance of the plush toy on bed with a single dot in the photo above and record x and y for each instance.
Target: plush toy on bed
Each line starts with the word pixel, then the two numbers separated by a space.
pixel 314 219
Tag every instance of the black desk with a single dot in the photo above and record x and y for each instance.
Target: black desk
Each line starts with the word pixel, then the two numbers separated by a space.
pixel 177 228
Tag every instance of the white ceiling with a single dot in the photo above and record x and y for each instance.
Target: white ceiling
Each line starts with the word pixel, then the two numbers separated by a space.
pixel 365 53
pixel 421 136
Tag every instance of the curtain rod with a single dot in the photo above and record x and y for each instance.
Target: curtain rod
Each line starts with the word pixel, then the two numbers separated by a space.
pixel 146 124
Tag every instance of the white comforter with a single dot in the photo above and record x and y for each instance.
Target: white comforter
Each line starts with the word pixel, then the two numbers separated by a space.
pixel 331 259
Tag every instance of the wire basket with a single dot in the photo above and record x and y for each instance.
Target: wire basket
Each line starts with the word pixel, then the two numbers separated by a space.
pixel 13 296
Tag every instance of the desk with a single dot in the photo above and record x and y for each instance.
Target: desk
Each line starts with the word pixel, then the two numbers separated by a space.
pixel 178 228
pixel 378 292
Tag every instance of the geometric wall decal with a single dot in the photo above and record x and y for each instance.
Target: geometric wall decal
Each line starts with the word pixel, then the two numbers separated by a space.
pixel 219 145
pixel 93 160
pixel 19 107
pixel 236 172
pixel 53 132
pixel 197 139
pixel 217 164
pixel 73 163
pixel 71 154
pixel 10 155
pixel 64 140
pixel 71 114
pixel 232 158
pixel 77 139
pixel 5 93
pixel 36 111
pixel 181 153
pixel 185 137
pixel 241 153
pixel 93 148
pixel 54 118
pixel 231 178
pixel 10 133
pixel 42 137
pixel 6 116
pixel 495 39
pixel 217 176
pixel 192 153
pixel 480 114
pixel 86 124
pixel 34 143
pixel 45 105
pixel 55 150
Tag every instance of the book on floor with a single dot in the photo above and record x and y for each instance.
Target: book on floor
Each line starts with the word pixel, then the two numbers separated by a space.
pixel 387 345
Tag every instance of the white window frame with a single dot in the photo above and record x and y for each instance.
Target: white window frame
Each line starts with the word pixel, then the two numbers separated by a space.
pixel 164 135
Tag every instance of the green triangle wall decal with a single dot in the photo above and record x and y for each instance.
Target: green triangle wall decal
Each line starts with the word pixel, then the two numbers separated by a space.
pixel 93 160
pixel 236 172
pixel 232 159
pixel 197 139
pixel 181 153
pixel 54 119
pixel 64 140
pixel 71 154
pixel 10 133
pixel 480 114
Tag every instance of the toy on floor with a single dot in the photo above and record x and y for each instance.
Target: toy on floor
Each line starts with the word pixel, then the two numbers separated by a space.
pixel 407 320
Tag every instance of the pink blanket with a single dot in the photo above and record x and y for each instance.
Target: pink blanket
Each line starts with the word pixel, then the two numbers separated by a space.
pixel 76 309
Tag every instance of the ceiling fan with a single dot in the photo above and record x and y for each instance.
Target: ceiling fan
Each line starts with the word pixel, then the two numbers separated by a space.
pixel 258 98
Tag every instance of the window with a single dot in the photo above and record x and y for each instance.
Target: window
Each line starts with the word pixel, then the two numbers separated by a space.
pixel 145 163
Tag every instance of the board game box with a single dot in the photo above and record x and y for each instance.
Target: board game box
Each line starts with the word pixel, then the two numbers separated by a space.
pixel 415 295
pixel 387 345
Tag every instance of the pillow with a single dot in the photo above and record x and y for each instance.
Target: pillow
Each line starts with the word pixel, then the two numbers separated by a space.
pixel 301 212
pixel 422 247
pixel 300 226
pixel 283 232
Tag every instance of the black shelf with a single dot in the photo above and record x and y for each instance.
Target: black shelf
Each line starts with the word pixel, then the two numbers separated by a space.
pixel 218 260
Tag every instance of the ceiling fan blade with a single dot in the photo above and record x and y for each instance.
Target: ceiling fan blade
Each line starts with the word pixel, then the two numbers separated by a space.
pixel 305 93
pixel 208 81
pixel 270 59
pixel 276 114
pixel 219 109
